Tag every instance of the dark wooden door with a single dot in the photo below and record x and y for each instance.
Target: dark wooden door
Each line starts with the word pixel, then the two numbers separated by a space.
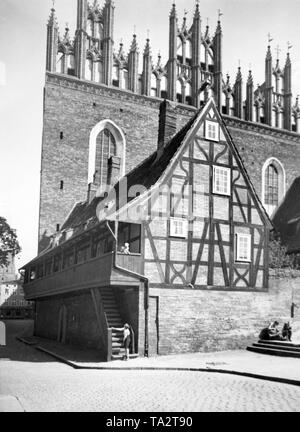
pixel 62 324
pixel 153 325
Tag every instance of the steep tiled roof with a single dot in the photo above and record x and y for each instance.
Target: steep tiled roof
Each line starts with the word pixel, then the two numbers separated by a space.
pixel 145 174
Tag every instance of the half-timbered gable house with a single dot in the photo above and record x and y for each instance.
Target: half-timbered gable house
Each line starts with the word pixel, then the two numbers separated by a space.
pixel 196 275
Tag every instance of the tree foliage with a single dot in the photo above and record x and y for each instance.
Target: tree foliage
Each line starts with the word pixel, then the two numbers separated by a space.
pixel 8 242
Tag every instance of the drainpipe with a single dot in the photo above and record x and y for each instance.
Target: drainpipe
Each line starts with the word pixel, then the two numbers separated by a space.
pixel 142 278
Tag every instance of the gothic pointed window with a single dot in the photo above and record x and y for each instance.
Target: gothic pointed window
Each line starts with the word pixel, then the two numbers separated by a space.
pixel 71 64
pixel 188 52
pixel 107 150
pixel 271 185
pixel 106 147
pixel 179 91
pixel 163 88
pixel 153 85
pixel 89 69
pixel 273 179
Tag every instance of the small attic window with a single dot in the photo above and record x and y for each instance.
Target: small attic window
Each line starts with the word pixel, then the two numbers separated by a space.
pixel 212 130
pixel 61 187
pixel 57 227
pixel 61 135
pixel 221 180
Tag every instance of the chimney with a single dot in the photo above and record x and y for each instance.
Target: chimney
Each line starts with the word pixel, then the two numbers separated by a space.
pixel 113 175
pixel 167 123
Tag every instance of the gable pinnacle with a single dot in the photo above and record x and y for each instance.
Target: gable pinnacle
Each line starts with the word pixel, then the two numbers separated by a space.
pixel 197 11
pixel 239 75
pixel 269 54
pixel 173 10
pixel 134 46
pixel 147 50
pixel 52 18
pixel 250 78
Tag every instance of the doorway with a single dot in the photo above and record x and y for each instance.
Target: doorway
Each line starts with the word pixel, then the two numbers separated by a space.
pixel 62 325
pixel 153 325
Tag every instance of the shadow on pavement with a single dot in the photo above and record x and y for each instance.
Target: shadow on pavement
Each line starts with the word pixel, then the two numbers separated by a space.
pixel 16 350
pixel 26 351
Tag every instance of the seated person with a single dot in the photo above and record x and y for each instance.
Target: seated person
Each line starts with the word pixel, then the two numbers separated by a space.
pixel 125 249
pixel 274 333
pixel 264 334
pixel 287 331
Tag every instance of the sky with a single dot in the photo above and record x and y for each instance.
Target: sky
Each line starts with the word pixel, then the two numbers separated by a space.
pixel 245 23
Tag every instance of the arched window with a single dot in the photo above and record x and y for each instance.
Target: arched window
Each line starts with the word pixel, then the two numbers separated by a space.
pixel 273 184
pixel 163 87
pixel 179 50
pixel 153 85
pixel 89 69
pixel 188 52
pixel 99 72
pixel 60 60
pixel 188 94
pixel 71 64
pixel 125 80
pixel 179 91
pixel 106 153
pixel 98 30
pixel 106 147
pixel 115 76
pixel 89 27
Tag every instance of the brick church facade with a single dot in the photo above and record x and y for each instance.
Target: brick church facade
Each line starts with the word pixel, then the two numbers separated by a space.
pixel 90 84
pixel 104 121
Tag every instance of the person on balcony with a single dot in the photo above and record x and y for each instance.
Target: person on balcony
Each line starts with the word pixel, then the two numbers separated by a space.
pixel 126 339
pixel 125 249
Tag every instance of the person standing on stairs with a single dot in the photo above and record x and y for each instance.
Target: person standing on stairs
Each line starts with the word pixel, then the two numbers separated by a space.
pixel 126 339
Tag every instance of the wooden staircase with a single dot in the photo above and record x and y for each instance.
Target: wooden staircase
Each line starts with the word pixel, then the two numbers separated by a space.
pixel 114 319
pixel 279 348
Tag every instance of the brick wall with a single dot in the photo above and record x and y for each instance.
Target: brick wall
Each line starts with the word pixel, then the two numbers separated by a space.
pixel 74 107
pixel 71 111
pixel 257 145
pixel 81 327
pixel 218 320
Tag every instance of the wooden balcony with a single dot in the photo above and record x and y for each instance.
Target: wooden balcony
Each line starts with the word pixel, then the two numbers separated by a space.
pixel 132 262
pixel 96 272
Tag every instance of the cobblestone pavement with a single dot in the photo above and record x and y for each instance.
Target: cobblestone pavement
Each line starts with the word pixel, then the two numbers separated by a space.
pixel 41 384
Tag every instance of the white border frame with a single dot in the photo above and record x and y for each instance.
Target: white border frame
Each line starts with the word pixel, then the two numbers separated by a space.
pixel 120 141
pixel 281 188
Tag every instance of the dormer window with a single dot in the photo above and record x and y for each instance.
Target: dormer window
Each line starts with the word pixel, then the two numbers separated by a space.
pixel 212 130
pixel 221 180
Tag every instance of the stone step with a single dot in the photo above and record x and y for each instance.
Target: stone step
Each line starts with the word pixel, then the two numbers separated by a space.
pixel 280 347
pixel 279 343
pixel 120 357
pixel 273 351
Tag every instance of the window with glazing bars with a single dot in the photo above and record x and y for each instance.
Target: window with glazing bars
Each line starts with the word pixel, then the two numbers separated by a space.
pixel 271 185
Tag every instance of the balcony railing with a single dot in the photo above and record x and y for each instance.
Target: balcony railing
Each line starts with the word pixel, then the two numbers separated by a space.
pixel 89 274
